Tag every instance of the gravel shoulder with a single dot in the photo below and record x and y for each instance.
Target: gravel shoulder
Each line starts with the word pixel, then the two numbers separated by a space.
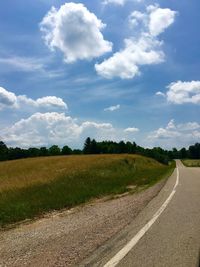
pixel 66 238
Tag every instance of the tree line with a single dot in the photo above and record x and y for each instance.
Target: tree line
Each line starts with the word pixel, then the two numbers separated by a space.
pixel 10 153
pixel 158 153
pixel 91 146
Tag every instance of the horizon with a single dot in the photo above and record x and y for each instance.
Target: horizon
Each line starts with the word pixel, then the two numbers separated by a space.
pixel 118 70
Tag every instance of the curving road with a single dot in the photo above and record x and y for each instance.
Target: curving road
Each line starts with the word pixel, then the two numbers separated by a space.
pixel 165 234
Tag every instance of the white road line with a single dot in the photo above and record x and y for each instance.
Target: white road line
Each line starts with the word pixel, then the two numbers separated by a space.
pixel 124 251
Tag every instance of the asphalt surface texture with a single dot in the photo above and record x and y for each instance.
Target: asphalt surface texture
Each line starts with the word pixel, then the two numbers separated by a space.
pixel 174 238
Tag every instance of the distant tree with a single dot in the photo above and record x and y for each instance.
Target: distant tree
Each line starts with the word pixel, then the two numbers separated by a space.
pixel 11 153
pixel 44 152
pixel 175 153
pixel 111 148
pixel 170 154
pixel 129 147
pixel 77 152
pixel 87 146
pixel 34 152
pixel 122 147
pixel 66 150
pixel 94 147
pixel 3 151
pixel 183 153
pixel 18 153
pixel 54 150
pixel 194 151
pixel 134 147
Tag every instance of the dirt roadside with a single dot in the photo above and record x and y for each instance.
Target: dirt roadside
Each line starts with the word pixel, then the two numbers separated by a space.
pixel 66 238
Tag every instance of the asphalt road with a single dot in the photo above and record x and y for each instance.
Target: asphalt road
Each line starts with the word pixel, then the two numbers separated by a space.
pixel 173 239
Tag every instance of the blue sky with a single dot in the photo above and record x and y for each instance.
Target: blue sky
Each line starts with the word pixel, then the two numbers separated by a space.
pixel 113 69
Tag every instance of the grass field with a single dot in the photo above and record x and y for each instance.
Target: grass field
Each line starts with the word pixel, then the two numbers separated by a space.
pixel 31 187
pixel 191 162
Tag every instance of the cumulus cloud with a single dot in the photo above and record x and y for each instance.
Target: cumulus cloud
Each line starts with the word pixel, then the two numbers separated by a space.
pixel 160 19
pixel 175 135
pixel 112 108
pixel 131 130
pixel 189 126
pixel 125 63
pixel 43 102
pixel 137 17
pixel 75 31
pixel 41 129
pixel 7 99
pixel 10 100
pixel 184 92
pixel 56 128
pixel 142 49
pixel 154 21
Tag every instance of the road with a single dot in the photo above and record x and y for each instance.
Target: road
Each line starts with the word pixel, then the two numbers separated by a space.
pixel 166 233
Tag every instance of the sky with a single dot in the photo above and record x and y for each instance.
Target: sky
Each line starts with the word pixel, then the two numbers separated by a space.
pixel 109 69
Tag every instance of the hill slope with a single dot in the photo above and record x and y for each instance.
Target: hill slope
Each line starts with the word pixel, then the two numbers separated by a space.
pixel 30 187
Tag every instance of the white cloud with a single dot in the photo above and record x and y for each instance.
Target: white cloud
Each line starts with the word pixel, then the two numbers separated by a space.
pixel 7 99
pixel 163 133
pixel 118 2
pixel 175 135
pixel 75 31
pixel 112 108
pixel 41 129
pixel 125 63
pixel 142 49
pixel 43 102
pixel 154 21
pixel 160 94
pixel 184 92
pixel 131 130
pixel 137 17
pixel 171 125
pixel 189 126
pixel 10 100
pixel 160 19
pixel 56 128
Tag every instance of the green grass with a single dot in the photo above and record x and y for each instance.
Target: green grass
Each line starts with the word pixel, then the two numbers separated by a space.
pixel 28 191
pixel 191 162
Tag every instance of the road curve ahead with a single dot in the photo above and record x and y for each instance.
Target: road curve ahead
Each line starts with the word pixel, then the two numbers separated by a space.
pixel 166 233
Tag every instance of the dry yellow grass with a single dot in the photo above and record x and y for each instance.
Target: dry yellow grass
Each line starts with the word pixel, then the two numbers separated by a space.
pixel 33 186
pixel 191 162
pixel 23 173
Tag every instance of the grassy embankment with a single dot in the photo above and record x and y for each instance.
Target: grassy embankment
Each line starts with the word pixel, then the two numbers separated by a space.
pixel 31 187
pixel 191 162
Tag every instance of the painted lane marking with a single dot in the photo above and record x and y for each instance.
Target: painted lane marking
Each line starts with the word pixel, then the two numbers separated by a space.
pixel 124 251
